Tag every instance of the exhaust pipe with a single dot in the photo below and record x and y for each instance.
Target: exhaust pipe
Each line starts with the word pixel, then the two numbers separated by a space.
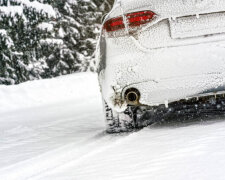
pixel 132 96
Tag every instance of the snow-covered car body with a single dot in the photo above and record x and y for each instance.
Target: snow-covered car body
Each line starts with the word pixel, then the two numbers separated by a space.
pixel 178 54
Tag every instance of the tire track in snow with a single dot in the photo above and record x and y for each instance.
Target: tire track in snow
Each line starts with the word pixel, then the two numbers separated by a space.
pixel 63 156
pixel 104 146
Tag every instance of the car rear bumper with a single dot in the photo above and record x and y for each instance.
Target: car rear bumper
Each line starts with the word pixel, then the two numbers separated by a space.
pixel 165 91
pixel 164 75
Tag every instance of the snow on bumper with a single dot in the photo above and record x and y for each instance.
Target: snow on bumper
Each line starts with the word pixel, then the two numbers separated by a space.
pixel 163 75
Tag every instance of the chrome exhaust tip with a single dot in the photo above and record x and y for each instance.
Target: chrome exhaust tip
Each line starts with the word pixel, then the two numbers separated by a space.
pixel 132 96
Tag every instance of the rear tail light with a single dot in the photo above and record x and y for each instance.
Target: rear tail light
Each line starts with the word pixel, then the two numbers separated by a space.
pixel 135 19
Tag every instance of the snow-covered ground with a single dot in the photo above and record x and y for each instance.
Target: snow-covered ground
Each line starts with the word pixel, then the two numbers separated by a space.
pixel 54 129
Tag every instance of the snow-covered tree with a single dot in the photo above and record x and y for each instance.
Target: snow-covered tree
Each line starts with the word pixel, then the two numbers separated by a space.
pixel 78 27
pixel 20 58
pixel 47 38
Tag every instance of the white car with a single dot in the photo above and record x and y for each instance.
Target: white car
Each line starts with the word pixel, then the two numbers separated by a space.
pixel 160 57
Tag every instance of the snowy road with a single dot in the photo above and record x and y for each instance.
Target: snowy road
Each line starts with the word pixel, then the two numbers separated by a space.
pixel 54 129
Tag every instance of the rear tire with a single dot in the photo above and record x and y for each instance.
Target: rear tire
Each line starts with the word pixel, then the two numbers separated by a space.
pixel 119 122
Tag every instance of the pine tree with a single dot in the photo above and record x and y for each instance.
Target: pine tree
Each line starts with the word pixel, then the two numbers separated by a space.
pixel 78 28
pixel 48 38
pixel 20 60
